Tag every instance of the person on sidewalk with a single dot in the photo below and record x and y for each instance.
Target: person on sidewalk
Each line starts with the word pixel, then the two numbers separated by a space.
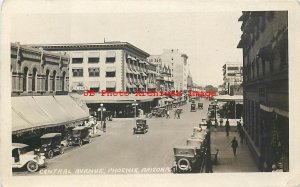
pixel 242 135
pixel 175 114
pixel 221 122
pixel 104 126
pixel 238 125
pixel 227 127
pixel 168 114
pixel 234 145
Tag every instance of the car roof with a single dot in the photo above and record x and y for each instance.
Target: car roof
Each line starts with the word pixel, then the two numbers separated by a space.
pixel 18 145
pixel 79 128
pixel 51 135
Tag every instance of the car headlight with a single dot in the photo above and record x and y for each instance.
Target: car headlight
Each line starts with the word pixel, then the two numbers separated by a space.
pixel 37 150
pixel 45 149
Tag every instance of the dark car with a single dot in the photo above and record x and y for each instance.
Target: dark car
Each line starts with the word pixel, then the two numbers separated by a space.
pixel 80 135
pixel 193 107
pixel 200 105
pixel 51 144
pixel 141 126
pixel 187 159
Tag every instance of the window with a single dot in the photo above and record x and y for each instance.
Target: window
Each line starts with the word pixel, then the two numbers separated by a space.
pixel 54 81
pixel 47 80
pixel 63 78
pixel 34 79
pixel 110 89
pixel 110 59
pixel 25 79
pixel 230 74
pixel 232 68
pixel 95 89
pixel 77 60
pixel 77 72
pixel 93 59
pixel 94 72
pixel 110 74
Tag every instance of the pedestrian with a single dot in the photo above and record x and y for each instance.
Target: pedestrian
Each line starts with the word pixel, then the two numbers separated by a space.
pixel 104 126
pixel 227 127
pixel 234 145
pixel 242 136
pixel 221 122
pixel 216 123
pixel 175 114
pixel 208 123
pixel 178 115
pixel 238 125
pixel 168 114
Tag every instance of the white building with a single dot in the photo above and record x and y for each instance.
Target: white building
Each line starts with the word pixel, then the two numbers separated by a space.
pixel 177 62
pixel 232 75
pixel 111 66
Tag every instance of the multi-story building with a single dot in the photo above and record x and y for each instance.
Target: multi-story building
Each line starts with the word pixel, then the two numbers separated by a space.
pixel 152 77
pixel 233 78
pixel 164 79
pixel 39 102
pixel 177 62
pixel 266 97
pixel 111 66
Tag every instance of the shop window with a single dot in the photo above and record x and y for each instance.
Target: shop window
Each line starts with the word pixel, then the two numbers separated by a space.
pixel 77 72
pixel 77 60
pixel 34 78
pixel 54 81
pixel 47 80
pixel 94 72
pixel 63 79
pixel 25 79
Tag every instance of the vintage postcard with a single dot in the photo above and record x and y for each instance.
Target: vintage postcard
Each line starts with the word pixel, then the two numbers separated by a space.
pixel 149 93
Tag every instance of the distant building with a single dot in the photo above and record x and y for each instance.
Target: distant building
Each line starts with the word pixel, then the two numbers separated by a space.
pixel 233 78
pixel 177 62
pixel 266 92
pixel 111 66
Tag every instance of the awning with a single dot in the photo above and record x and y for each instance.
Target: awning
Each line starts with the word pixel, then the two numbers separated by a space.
pixel 135 72
pixel 226 98
pixel 110 69
pixel 151 85
pixel 110 84
pixel 110 54
pixel 94 84
pixel 274 109
pixel 144 74
pixel 133 85
pixel 29 113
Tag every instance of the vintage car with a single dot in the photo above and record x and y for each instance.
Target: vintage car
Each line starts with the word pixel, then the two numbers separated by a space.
pixel 161 112
pixel 23 156
pixel 200 105
pixel 187 159
pixel 80 135
pixel 141 126
pixel 193 107
pixel 51 144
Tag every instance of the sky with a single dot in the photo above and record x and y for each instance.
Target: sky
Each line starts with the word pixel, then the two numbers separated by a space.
pixel 208 38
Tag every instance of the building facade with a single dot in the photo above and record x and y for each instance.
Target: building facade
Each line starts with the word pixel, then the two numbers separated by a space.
pixel 38 72
pixel 111 66
pixel 177 62
pixel 266 97
pixel 233 78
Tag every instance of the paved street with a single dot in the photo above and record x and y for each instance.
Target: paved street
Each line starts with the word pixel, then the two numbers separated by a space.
pixel 119 151
pixel 119 148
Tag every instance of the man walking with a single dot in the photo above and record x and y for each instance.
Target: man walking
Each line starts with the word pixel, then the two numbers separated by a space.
pixel 227 127
pixel 242 135
pixel 168 114
pixel 234 145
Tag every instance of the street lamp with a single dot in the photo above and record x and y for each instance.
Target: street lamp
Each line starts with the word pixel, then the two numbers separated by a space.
pixel 101 110
pixel 135 104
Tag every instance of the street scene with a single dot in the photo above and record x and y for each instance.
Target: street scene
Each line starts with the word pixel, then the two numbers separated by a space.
pixel 99 106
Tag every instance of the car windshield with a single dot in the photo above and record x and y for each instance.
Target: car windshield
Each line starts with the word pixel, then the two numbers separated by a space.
pixel 76 132
pixel 46 141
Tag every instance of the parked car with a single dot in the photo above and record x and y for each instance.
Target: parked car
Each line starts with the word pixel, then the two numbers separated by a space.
pixel 23 156
pixel 141 126
pixel 51 143
pixel 187 159
pixel 80 135
pixel 200 105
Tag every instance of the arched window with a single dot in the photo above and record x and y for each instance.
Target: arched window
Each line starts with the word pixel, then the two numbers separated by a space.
pixel 63 81
pixel 25 79
pixel 53 81
pixel 47 80
pixel 34 78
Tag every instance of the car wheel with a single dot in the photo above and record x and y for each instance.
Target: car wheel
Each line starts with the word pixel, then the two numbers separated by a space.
pixel 80 143
pixel 61 150
pixel 32 166
pixel 50 154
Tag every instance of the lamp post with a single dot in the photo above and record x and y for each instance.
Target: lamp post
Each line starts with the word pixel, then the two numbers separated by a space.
pixel 101 113
pixel 134 106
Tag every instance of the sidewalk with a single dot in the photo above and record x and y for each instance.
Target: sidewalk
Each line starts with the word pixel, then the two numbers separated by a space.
pixel 226 161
